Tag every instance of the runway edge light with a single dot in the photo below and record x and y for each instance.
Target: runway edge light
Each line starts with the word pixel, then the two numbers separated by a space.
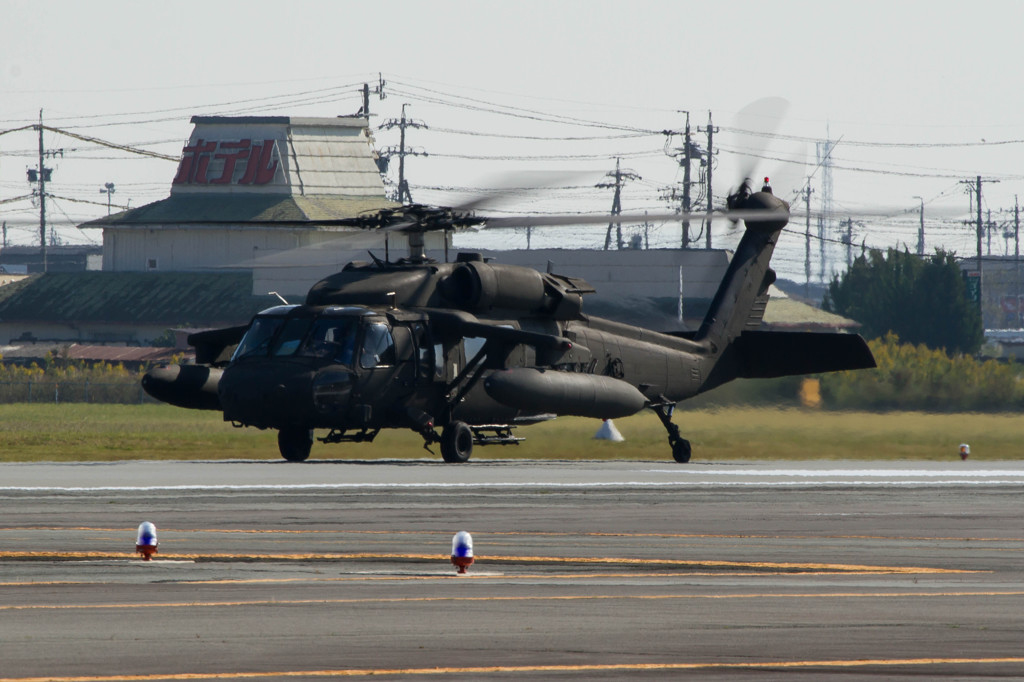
pixel 965 450
pixel 462 550
pixel 145 541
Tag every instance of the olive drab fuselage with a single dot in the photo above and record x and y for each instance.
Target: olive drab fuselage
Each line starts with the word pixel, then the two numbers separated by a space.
pixel 476 348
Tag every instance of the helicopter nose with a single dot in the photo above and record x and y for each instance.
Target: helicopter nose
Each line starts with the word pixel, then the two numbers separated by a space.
pixel 331 390
pixel 265 394
pixel 191 386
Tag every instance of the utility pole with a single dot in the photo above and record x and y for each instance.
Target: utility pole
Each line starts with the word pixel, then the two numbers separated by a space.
pixel 978 190
pixel 404 197
pixel 619 177
pixel 807 241
pixel 978 227
pixel 978 223
pixel 1016 227
pixel 686 183
pixel 379 91
pixel 920 230
pixel 711 130
pixel 108 189
pixel 1017 256
pixel 40 176
pixel 689 151
pixel 848 240
pixel 42 194
pixel 988 233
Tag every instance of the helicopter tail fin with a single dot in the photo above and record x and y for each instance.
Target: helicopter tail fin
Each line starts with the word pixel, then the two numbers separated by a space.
pixel 740 301
pixel 729 331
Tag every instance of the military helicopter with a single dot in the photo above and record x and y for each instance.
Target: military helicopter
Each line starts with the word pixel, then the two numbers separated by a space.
pixel 463 352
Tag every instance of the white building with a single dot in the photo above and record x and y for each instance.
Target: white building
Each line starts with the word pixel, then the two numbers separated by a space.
pixel 248 189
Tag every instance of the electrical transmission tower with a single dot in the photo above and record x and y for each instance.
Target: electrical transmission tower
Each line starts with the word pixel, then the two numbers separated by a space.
pixel 404 197
pixel 807 240
pixel 825 220
pixel 619 177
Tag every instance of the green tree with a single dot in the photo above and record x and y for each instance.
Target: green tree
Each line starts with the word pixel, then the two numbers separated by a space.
pixel 922 300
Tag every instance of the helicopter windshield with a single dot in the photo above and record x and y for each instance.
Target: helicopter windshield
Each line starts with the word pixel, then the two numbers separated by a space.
pixel 332 338
pixel 289 338
pixel 257 339
pixel 325 337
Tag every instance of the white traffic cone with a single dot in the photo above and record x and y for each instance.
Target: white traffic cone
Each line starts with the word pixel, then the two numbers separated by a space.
pixel 608 432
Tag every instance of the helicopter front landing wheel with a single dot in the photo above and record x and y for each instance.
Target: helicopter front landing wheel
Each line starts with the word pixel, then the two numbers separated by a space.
pixel 456 442
pixel 295 442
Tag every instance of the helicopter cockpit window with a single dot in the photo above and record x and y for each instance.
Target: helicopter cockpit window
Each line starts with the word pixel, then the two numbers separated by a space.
pixel 332 339
pixel 257 339
pixel 378 347
pixel 291 336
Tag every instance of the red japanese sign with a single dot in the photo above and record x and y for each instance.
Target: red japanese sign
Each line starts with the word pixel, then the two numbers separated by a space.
pixel 1011 304
pixel 254 164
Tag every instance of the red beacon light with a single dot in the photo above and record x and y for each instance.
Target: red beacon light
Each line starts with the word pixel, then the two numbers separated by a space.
pixel 462 550
pixel 767 185
pixel 145 541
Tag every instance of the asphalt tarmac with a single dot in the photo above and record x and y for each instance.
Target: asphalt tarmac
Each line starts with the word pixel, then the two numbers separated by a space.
pixel 584 570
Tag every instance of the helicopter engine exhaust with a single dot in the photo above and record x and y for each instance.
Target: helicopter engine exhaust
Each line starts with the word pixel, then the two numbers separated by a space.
pixel 482 286
pixel 564 393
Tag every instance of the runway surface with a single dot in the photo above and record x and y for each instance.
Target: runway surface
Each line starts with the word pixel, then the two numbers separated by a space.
pixel 585 570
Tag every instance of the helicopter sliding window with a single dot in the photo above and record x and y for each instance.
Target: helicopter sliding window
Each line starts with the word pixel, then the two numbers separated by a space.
pixel 378 347
pixel 291 336
pixel 473 346
pixel 257 339
pixel 439 360
pixel 332 339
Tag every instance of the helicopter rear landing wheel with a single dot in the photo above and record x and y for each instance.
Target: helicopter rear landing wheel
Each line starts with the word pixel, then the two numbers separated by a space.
pixel 456 442
pixel 295 442
pixel 680 446
pixel 681 451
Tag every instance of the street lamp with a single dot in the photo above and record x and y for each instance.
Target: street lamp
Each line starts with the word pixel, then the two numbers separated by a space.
pixel 109 189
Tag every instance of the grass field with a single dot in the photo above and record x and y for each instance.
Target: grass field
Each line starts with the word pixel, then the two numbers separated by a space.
pixel 82 432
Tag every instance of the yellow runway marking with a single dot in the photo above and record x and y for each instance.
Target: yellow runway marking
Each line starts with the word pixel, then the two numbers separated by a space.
pixel 452 575
pixel 551 598
pixel 499 559
pixel 480 670
pixel 539 534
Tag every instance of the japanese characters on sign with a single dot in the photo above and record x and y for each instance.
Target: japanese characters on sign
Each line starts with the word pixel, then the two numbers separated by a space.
pixel 222 162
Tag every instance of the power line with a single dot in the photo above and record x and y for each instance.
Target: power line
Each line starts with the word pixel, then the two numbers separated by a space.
pixel 863 143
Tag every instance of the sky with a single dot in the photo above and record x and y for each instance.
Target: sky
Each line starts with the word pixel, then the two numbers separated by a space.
pixel 533 102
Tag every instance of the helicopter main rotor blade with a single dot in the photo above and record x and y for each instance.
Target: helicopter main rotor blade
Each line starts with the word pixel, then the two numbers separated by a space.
pixel 758 120
pixel 630 218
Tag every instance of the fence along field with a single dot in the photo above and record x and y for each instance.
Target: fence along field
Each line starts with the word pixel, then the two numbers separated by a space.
pixel 918 404
pixel 71 381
